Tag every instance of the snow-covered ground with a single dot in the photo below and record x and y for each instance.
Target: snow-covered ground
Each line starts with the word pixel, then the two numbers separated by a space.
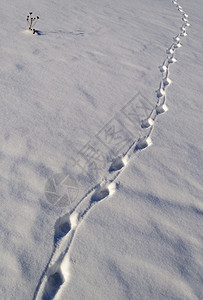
pixel 101 150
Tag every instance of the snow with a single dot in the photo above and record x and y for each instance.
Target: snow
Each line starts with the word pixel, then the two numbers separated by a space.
pixel 88 210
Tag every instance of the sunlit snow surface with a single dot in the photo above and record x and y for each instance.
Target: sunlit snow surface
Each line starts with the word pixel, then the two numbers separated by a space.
pixel 96 77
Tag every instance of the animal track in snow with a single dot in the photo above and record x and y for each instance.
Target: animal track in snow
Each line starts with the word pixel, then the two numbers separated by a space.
pixel 177 45
pixel 167 81
pixel 184 19
pixel 160 109
pixel 177 38
pixel 58 270
pixel 172 59
pixel 118 163
pixel 147 123
pixel 62 227
pixel 183 33
pixel 143 143
pixel 160 93
pixel 163 69
pixel 103 191
pixel 170 50
pixel 57 273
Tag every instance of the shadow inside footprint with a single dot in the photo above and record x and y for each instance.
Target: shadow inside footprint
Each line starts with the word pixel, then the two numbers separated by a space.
pixel 100 194
pixel 54 281
pixel 62 227
pixel 116 165
pixel 143 143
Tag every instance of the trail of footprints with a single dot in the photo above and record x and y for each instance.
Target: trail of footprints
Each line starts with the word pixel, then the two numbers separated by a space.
pixel 56 272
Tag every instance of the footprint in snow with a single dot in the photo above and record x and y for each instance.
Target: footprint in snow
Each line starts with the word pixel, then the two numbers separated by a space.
pixel 172 60
pixel 62 227
pixel 147 123
pixel 103 191
pixel 160 109
pixel 118 163
pixel 143 143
